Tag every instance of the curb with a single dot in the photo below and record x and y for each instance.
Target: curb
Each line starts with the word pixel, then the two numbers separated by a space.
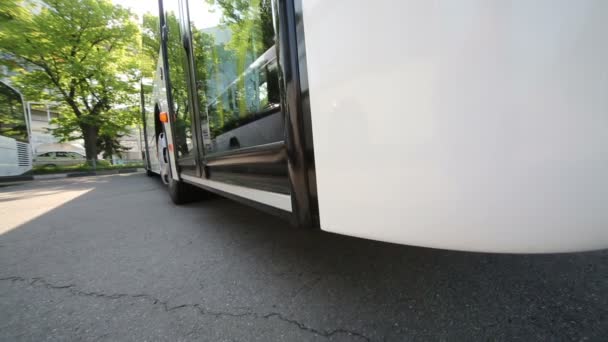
pixel 10 179
pixel 97 173
pixel 19 179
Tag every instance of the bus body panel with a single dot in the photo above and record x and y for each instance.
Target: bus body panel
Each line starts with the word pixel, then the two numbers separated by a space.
pixel 153 104
pixel 15 157
pixel 15 150
pixel 158 103
pixel 150 148
pixel 467 125
pixel 151 157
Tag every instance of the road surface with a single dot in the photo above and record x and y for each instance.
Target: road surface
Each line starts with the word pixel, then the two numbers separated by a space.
pixel 112 259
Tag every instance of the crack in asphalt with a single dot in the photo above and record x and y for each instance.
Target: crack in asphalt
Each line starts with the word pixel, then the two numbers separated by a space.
pixel 71 288
pixel 306 287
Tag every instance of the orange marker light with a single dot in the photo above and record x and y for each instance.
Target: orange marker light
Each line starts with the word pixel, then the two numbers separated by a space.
pixel 163 116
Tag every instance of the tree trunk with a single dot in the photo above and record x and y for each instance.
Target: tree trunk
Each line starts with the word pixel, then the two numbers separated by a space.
pixel 89 134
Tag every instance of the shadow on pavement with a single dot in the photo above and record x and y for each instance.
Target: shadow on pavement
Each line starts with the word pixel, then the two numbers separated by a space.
pixel 243 273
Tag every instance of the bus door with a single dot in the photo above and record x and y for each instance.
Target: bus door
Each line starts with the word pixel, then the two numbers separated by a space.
pixel 239 126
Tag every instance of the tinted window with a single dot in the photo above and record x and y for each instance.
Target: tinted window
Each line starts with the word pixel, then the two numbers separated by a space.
pixel 177 74
pixel 12 116
pixel 236 73
pixel 48 154
pixel 61 154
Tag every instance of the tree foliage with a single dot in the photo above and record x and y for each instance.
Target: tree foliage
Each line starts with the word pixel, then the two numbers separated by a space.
pixel 80 53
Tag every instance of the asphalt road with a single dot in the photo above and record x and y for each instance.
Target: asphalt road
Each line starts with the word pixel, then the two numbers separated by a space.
pixel 111 259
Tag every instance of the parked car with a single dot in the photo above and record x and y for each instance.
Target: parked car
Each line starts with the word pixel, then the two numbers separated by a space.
pixel 59 158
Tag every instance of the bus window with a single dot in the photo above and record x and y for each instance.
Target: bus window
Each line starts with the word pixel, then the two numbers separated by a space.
pixel 177 75
pixel 236 74
pixel 12 118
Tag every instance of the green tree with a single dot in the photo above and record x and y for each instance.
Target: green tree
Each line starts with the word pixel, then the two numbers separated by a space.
pixel 80 53
pixel 114 124
pixel 119 124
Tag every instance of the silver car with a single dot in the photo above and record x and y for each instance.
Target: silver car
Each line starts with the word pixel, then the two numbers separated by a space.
pixel 59 158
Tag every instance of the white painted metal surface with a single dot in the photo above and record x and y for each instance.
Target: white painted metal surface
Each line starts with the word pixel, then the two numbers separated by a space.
pixel 15 157
pixel 269 198
pixel 160 95
pixel 472 125
pixel 153 152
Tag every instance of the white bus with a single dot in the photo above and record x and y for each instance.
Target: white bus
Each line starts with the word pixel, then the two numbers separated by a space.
pixel 476 125
pixel 15 150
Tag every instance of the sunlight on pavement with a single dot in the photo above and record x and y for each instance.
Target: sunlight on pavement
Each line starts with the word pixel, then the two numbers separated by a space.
pixel 23 205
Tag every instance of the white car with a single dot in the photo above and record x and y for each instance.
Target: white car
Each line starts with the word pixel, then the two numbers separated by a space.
pixel 59 158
